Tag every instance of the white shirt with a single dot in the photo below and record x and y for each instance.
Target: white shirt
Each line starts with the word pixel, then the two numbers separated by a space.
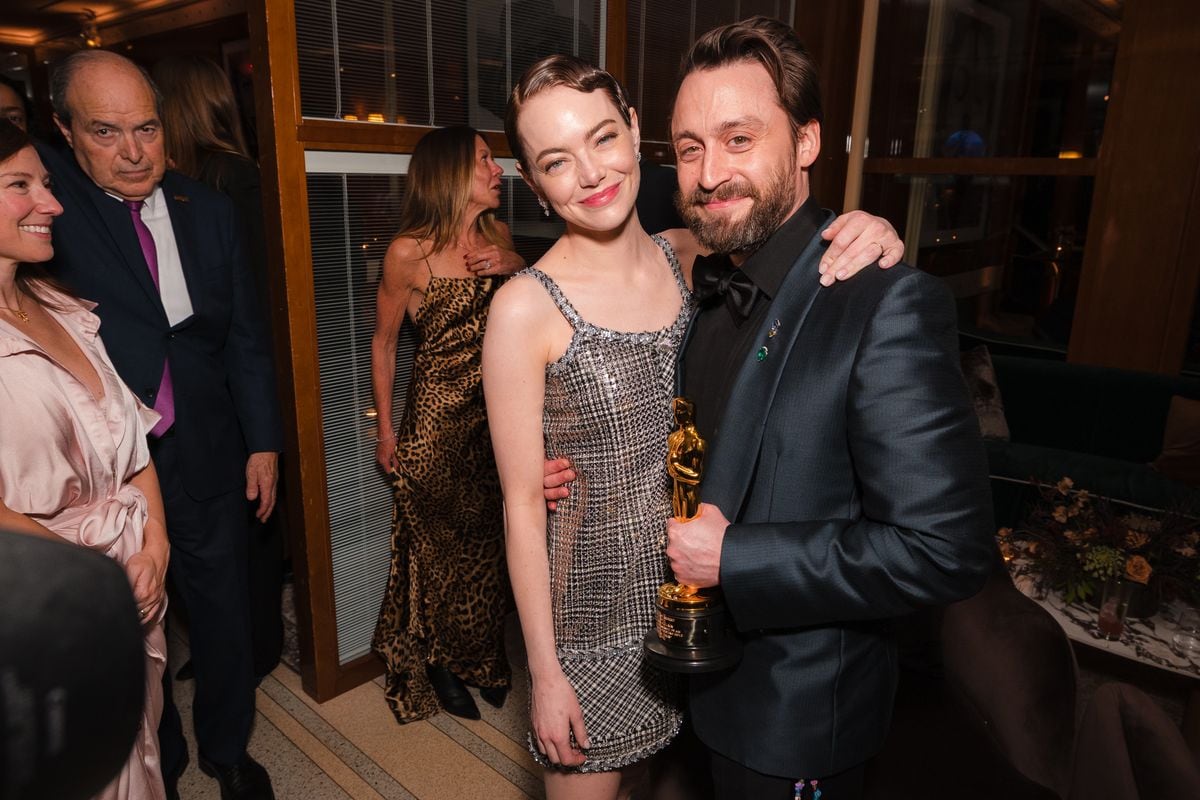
pixel 171 284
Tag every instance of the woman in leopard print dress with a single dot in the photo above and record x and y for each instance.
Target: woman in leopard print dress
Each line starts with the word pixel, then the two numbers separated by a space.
pixel 442 620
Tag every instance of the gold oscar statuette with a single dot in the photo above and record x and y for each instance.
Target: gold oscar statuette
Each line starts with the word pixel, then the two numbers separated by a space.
pixel 690 624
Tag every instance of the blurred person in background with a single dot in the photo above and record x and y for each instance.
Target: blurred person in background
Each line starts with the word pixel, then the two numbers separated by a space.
pixel 441 625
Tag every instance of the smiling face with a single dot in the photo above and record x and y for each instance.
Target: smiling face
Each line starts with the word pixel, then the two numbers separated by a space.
pixel 742 172
pixel 485 182
pixel 582 157
pixel 27 209
pixel 115 130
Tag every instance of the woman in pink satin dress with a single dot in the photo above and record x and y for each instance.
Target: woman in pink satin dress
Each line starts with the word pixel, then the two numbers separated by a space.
pixel 74 463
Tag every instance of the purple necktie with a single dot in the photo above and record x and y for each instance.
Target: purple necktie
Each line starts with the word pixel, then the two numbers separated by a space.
pixel 164 401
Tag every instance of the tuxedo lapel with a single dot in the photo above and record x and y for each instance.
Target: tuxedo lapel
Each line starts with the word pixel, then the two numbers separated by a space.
pixel 740 433
pixel 112 217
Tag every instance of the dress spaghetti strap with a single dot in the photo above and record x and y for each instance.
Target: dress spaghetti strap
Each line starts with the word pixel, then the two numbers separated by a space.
pixel 422 249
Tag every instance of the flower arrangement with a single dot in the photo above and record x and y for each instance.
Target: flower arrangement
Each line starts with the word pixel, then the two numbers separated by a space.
pixel 1077 541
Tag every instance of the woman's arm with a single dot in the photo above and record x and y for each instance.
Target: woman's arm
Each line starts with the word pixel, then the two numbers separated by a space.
pixel 391 303
pixel 17 522
pixel 516 350
pixel 147 569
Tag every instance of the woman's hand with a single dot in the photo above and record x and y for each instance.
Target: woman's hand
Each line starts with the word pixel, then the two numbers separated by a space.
pixel 856 240
pixel 555 715
pixel 493 260
pixel 147 576
pixel 558 473
pixel 385 453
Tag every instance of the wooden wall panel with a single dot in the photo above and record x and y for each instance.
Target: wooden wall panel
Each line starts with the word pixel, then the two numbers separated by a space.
pixel 285 197
pixel 1140 266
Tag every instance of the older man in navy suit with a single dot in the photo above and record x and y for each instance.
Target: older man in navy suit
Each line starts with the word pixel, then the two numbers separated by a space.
pixel 846 483
pixel 162 256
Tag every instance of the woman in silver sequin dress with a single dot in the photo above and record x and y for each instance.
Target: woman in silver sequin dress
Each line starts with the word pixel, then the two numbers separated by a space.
pixel 579 362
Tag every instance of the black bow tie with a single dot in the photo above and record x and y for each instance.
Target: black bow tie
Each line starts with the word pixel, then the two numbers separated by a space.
pixel 715 275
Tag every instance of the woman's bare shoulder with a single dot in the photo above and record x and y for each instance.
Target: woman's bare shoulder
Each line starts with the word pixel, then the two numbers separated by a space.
pixel 405 249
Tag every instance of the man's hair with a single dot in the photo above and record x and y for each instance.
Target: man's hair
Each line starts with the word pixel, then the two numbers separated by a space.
pixel 559 70
pixel 441 175
pixel 65 70
pixel 773 45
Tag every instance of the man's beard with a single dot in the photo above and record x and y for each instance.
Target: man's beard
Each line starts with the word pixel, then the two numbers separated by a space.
pixel 769 210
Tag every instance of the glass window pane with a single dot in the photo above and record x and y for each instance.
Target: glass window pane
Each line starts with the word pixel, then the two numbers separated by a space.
pixel 440 63
pixel 1010 247
pixel 972 78
pixel 657 37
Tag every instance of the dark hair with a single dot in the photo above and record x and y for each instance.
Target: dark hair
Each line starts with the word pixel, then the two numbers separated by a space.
pixel 776 47
pixel 12 140
pixel 440 175
pixel 31 279
pixel 559 70
pixel 199 113
pixel 64 72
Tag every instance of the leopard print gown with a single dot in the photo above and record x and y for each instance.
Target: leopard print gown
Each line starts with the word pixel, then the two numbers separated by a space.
pixel 447 593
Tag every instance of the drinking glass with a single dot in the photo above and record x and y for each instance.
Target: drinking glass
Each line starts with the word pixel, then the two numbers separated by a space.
pixel 1186 641
pixel 1114 603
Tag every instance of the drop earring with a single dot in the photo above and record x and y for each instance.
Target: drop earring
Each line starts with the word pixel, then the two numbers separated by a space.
pixel 639 156
pixel 545 208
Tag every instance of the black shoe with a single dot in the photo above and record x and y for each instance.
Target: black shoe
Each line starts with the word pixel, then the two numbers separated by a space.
pixel 246 780
pixel 185 673
pixel 494 696
pixel 452 692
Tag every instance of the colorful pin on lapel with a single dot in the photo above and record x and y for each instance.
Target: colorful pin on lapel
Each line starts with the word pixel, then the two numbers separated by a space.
pixel 761 355
pixel 774 330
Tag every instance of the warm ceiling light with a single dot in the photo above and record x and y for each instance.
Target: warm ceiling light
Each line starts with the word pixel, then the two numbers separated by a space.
pixel 90 33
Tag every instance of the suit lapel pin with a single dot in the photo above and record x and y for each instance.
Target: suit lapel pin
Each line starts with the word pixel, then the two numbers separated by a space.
pixel 774 330
pixel 761 355
pixel 182 198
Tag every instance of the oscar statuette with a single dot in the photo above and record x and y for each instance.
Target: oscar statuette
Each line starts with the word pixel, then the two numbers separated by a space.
pixel 691 629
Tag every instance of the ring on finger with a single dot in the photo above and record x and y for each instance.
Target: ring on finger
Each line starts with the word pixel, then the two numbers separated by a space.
pixel 488 263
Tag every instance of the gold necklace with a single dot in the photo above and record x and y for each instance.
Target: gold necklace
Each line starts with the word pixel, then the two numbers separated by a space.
pixel 17 312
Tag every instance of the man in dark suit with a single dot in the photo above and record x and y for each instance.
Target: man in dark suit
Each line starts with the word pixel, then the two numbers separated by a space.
pixel 163 257
pixel 846 483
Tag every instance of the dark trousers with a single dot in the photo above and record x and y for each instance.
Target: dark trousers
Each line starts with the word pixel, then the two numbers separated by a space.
pixel 208 569
pixel 265 577
pixel 734 781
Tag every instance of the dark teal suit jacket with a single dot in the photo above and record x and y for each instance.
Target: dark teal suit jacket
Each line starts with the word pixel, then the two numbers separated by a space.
pixel 850 464
pixel 221 365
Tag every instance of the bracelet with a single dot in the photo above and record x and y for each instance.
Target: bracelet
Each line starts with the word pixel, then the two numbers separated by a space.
pixel 387 438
